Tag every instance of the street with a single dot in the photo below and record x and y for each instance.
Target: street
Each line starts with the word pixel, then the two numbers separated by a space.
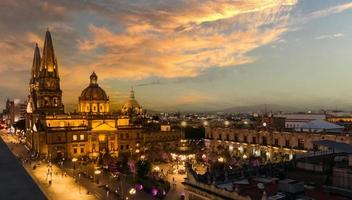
pixel 86 186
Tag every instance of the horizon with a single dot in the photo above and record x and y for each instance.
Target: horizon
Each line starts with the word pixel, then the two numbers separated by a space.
pixel 289 53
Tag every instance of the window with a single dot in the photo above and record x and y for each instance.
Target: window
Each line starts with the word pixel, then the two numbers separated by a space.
pixel 236 138
pixel 264 142
pixel 220 137
pixel 227 137
pixel 245 139
pixel 127 147
pixel 127 135
pixel 55 101
pixel 81 137
pixel 121 147
pixel 74 137
pixel 74 151
pixel 82 150
pixel 101 108
pixel 93 147
pixel 300 143
pixel 287 143
pixel 59 138
pixel 276 142
pixel 94 108
pixel 254 140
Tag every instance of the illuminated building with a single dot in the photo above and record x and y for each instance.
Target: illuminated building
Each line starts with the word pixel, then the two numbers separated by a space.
pixel 260 142
pixel 91 131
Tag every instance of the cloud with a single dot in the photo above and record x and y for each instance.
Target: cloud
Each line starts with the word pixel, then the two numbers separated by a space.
pixel 182 41
pixel 330 10
pixel 333 36
pixel 171 39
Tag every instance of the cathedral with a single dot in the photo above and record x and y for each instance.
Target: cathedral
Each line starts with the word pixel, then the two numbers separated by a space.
pixel 90 131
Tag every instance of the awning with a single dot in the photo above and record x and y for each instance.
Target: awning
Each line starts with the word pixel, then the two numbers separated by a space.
pixel 337 146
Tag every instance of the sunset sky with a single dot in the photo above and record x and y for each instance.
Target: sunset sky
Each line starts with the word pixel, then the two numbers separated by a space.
pixel 186 54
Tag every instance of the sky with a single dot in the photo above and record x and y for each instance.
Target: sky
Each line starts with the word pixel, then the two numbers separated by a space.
pixel 184 55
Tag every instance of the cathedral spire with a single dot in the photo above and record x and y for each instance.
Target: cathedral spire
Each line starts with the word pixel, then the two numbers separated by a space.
pixel 49 63
pixel 36 63
pixel 132 93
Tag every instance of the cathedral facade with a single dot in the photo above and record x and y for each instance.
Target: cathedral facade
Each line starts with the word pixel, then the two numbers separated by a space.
pixel 93 129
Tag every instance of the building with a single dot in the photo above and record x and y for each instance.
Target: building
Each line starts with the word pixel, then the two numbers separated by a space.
pixel 91 131
pixel 270 143
pixel 295 120
pixel 14 111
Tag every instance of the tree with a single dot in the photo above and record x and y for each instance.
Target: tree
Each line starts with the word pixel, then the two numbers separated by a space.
pixel 144 167
pixel 20 124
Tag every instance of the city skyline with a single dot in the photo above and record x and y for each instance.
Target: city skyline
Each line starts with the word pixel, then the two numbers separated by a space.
pixel 292 53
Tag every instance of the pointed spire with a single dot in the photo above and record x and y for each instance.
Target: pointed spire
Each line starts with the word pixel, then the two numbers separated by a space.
pixel 36 63
pixel 132 93
pixel 49 63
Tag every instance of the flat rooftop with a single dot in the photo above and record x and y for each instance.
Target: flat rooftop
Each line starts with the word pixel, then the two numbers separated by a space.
pixel 15 182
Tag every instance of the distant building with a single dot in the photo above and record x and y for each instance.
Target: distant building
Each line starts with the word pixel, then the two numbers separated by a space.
pixel 295 120
pixel 13 112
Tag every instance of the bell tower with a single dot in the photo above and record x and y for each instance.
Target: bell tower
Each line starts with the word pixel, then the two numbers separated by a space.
pixel 47 87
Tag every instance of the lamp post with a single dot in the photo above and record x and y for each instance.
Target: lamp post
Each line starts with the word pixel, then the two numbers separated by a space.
pixel 132 192
pixel 97 172
pixel 74 160
pixel 183 125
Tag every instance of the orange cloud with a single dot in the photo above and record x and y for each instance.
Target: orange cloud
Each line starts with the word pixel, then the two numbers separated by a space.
pixel 186 40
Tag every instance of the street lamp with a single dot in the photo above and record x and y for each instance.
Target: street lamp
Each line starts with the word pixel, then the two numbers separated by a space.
pixel 142 157
pixel 205 123
pixel 183 125
pixel 227 123
pixel 132 192
pixel 74 160
pixel 221 159
pixel 97 172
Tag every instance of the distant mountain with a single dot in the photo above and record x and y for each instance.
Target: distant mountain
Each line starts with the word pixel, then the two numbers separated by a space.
pixel 259 108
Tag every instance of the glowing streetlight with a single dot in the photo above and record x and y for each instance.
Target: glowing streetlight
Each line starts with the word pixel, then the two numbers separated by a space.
pixel 157 168
pixel 184 123
pixel 221 159
pixel 265 124
pixel 244 156
pixel 245 122
pixel 74 160
pixel 231 148
pixel 137 151
pixel 227 123
pixel 132 191
pixel 97 172
pixel 142 157
pixel 205 123
pixel 204 156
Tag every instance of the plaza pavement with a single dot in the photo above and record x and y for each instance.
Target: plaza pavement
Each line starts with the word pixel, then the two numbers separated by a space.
pixel 62 187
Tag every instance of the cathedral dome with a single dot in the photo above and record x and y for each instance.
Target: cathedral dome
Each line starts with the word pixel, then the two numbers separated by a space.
pixel 94 91
pixel 131 106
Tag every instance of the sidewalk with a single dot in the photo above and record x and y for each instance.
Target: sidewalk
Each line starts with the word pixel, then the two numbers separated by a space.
pixel 61 186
